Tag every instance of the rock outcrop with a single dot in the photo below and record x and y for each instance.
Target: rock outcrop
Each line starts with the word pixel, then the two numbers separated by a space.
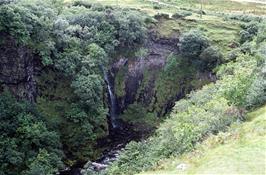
pixel 139 79
pixel 17 69
pixel 135 69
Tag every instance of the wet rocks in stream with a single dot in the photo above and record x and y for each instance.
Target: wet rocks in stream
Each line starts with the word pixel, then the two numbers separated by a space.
pixel 114 143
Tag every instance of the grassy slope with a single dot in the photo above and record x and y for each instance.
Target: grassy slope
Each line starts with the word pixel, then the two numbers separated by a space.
pixel 221 6
pixel 220 31
pixel 241 150
pixel 170 6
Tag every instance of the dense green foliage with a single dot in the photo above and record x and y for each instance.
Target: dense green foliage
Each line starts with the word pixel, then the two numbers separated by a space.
pixel 76 43
pixel 249 31
pixel 27 145
pixel 172 81
pixel 72 46
pixel 193 43
pixel 195 46
pixel 240 84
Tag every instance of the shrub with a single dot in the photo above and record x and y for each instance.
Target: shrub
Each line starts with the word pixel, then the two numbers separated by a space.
pixel 256 94
pixel 245 17
pixel 157 6
pixel 245 36
pixel 139 117
pixel 82 3
pixel 193 43
pixel 247 48
pixel 252 27
pixel 262 51
pixel 160 16
pixel 250 30
pixel 211 56
pixel 261 36
pixel 6 1
pixel 232 55
pixel 141 53
pixel 237 78
pixel 181 14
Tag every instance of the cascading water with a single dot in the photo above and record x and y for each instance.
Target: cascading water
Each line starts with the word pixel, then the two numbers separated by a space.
pixel 113 111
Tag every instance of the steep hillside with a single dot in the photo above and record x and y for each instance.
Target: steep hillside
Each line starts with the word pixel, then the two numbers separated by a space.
pixel 240 150
pixel 240 86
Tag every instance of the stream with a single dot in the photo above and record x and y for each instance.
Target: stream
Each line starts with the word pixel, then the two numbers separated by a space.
pixel 113 143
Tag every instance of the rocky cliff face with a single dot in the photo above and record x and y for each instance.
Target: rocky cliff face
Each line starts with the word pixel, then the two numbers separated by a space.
pixel 135 78
pixel 17 69
pixel 142 79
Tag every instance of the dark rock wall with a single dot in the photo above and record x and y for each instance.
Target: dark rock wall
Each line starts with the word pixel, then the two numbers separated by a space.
pixel 158 49
pixel 17 69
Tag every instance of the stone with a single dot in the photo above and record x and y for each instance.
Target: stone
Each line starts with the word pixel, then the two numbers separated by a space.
pixel 17 69
pixel 182 166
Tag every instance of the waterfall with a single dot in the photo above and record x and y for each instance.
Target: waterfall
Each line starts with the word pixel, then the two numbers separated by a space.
pixel 113 111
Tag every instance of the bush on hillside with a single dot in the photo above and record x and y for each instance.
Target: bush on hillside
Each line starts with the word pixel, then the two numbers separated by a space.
pixel 6 1
pixel 193 43
pixel 247 48
pixel 245 36
pixel 82 3
pixel 257 92
pixel 245 17
pixel 156 6
pixel 160 16
pixel 211 56
pixel 233 54
pixel 252 27
pixel 261 36
pixel 181 14
pixel 237 78
pixel 249 31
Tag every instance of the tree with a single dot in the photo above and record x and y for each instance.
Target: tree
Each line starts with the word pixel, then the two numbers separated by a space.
pixel 211 56
pixel 193 43
pixel 89 89
pixel 96 57
pixel 23 136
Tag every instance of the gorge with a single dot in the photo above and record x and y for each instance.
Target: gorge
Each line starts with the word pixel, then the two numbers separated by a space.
pixel 112 89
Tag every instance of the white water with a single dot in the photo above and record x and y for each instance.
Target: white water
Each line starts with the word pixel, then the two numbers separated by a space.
pixel 113 114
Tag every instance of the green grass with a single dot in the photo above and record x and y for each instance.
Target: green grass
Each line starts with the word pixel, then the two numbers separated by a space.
pixel 143 5
pixel 241 150
pixel 170 6
pixel 220 6
pixel 220 32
